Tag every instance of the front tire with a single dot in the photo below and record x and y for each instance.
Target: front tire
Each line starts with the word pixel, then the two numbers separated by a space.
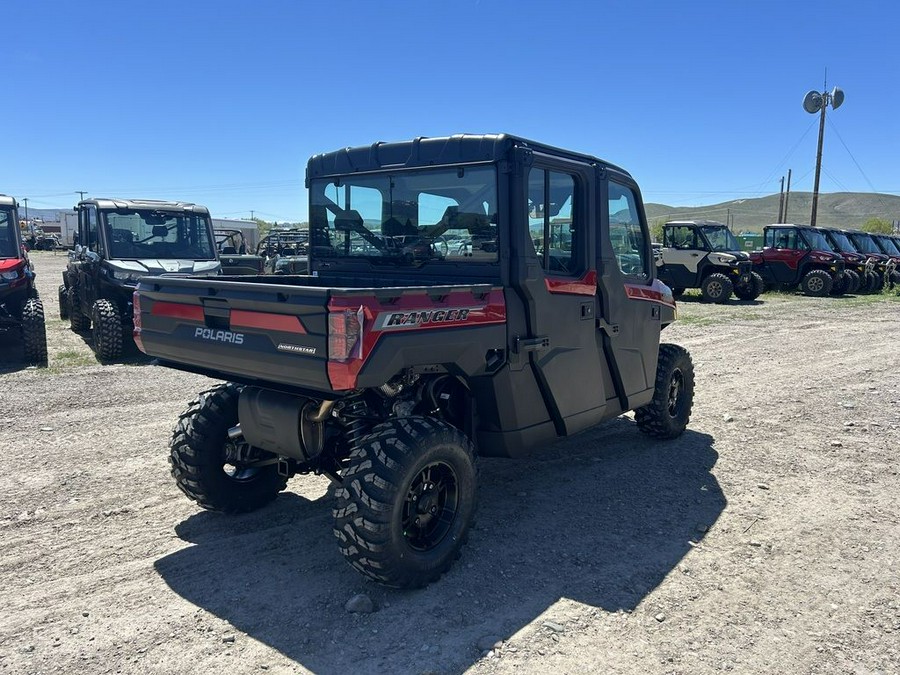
pixel 716 288
pixel 816 283
pixel 107 322
pixel 752 289
pixel 63 302
pixel 854 281
pixel 199 457
pixel 407 501
pixel 668 414
pixel 34 331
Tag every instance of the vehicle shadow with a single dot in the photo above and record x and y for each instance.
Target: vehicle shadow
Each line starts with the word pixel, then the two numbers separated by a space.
pixel 601 519
pixel 12 355
pixel 696 299
pixel 131 355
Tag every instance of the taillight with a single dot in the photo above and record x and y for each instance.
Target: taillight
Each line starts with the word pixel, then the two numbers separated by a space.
pixel 345 334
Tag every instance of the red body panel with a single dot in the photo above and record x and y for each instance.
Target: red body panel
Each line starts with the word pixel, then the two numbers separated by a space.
pixel 586 285
pixel 410 312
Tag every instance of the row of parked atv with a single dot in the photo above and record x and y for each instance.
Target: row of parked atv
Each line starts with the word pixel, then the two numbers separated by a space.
pixel 819 261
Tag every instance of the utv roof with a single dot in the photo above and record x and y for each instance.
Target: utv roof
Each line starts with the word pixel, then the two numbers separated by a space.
pixel 6 200
pixel 780 225
pixel 423 152
pixel 107 203
pixel 703 223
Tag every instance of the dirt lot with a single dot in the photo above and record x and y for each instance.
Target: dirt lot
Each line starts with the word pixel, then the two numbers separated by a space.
pixel 766 539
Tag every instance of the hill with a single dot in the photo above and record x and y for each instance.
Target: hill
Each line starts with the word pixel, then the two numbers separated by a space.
pixel 835 209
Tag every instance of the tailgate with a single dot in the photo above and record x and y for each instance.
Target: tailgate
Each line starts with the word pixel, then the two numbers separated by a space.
pixel 236 329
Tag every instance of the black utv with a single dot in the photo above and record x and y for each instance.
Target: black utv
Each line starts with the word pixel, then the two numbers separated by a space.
pixel 118 242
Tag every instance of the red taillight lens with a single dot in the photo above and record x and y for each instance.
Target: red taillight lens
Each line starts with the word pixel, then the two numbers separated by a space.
pixel 344 334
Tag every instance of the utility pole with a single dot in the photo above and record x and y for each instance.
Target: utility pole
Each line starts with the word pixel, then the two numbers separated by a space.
pixel 25 199
pixel 251 214
pixel 787 197
pixel 814 102
pixel 781 201
pixel 81 194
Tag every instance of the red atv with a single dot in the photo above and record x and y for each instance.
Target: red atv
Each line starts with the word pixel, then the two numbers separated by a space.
pixel 21 310
pixel 799 255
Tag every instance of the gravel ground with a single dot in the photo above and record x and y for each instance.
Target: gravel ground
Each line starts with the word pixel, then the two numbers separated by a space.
pixel 765 539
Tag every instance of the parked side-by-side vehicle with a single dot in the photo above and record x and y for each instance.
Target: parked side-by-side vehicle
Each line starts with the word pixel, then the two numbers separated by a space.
pixel 118 242
pixel 799 256
pixel 398 360
pixel 705 254
pixel 21 310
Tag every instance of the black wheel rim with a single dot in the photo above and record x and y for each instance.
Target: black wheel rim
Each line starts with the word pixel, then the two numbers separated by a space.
pixel 431 506
pixel 676 393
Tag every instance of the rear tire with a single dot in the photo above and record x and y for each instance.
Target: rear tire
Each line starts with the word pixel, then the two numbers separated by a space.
pixel 63 302
pixel 407 501
pixel 77 320
pixel 816 283
pixel 34 332
pixel 199 461
pixel 668 414
pixel 107 323
pixel 716 288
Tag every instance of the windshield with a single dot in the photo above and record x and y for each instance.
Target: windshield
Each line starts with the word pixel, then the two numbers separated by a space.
pixel 720 238
pixel 147 233
pixel 888 245
pixel 816 240
pixel 864 242
pixel 840 242
pixel 8 233
pixel 407 218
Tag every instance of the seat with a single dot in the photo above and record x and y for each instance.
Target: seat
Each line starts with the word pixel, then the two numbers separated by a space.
pixel 229 250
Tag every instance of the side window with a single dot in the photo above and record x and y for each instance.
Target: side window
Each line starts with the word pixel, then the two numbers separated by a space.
pixel 626 232
pixel 681 237
pixel 88 229
pixel 551 220
pixel 769 241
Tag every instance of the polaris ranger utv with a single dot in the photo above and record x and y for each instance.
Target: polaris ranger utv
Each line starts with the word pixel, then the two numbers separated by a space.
pixel 21 310
pixel 394 364
pixel 118 242
pixel 799 255
pixel 705 254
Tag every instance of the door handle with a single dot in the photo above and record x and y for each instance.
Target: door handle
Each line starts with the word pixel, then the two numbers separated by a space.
pixel 537 344
pixel 695 255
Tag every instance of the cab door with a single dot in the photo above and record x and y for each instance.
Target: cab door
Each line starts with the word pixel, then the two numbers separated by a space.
pixel 631 299
pixel 88 257
pixel 558 290
pixel 783 250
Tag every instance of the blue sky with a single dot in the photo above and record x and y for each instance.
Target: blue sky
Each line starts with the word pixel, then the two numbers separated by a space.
pixel 222 102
